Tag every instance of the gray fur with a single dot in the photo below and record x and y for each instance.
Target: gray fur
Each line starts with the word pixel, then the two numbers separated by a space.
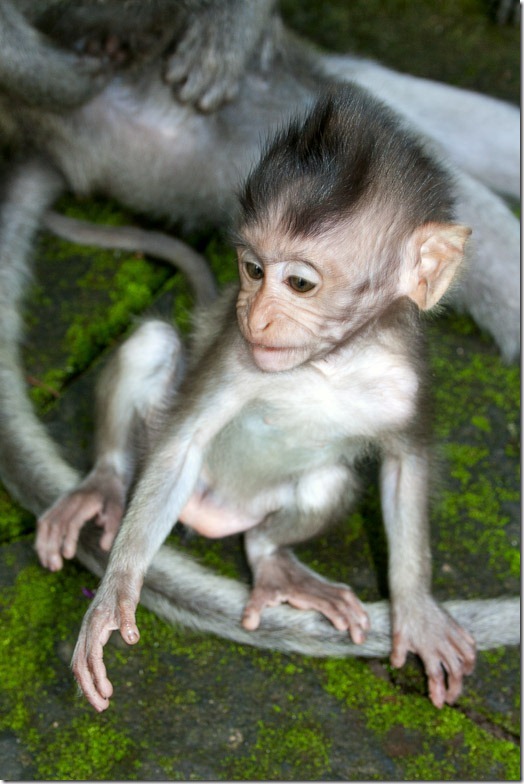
pixel 177 164
pixel 181 591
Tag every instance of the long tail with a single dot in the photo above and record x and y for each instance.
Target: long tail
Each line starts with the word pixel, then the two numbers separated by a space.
pixel 154 243
pixel 177 588
pixel 180 590
pixel 31 466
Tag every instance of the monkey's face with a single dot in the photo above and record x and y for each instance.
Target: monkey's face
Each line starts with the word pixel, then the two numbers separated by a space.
pixel 293 302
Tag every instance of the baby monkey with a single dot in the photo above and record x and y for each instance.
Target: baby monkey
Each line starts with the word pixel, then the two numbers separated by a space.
pixel 345 234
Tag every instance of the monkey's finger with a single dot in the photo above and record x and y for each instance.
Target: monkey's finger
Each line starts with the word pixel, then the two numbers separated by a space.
pixel 260 598
pixel 457 662
pixel 253 611
pixel 127 626
pixel 103 688
pixel 58 529
pixel 48 551
pixel 192 88
pixel 88 658
pixel 207 87
pixel 454 688
pixel 437 688
pixel 92 679
pixel 96 686
pixel 82 509
pixel 466 649
pixel 110 519
pixel 176 71
pixel 107 538
pixel 445 676
pixel 399 650
pixel 216 96
pixel 251 619
pixel 345 612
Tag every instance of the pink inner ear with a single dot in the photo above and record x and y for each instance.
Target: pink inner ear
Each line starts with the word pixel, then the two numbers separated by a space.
pixel 439 248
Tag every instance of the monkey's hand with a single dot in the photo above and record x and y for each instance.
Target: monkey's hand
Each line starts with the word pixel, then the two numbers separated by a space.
pixel 111 609
pixel 101 496
pixel 70 80
pixel 281 578
pixel 447 650
pixel 40 73
pixel 209 61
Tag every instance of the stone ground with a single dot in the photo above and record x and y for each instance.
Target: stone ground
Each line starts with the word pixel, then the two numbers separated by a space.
pixel 194 707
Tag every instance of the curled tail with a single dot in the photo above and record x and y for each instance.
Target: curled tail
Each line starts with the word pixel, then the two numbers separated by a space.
pixel 130 238
pixel 31 466
pixel 179 590
pixel 176 588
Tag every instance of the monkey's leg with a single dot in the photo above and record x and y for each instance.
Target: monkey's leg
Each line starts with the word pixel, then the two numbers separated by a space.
pixel 42 74
pixel 132 395
pixel 280 577
pixel 419 624
pixel 30 464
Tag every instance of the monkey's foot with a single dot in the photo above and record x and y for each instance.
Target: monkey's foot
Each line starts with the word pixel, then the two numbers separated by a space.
pixel 100 496
pixel 281 578
pixel 446 649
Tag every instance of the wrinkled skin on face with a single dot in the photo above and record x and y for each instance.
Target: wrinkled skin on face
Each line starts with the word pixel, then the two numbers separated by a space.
pixel 298 298
pixel 302 298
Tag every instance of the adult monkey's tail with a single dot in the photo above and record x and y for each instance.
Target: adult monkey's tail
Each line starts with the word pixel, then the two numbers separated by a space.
pixel 180 590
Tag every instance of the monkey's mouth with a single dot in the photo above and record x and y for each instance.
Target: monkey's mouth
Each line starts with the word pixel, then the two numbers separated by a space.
pixel 276 358
pixel 276 350
pixel 261 347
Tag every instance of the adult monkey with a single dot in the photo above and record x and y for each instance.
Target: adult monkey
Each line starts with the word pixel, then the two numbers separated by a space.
pixel 201 46
pixel 175 162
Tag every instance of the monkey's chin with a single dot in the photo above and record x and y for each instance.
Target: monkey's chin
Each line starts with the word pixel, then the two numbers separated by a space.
pixel 277 360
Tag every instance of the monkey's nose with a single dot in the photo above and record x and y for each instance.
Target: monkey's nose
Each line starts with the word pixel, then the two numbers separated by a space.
pixel 260 321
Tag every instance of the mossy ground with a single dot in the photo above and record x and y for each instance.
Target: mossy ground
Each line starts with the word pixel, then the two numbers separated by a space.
pixel 193 707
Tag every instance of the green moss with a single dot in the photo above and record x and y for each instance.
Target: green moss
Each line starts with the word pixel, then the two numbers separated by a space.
pixel 222 259
pixel 14 521
pixel 25 609
pixel 84 750
pixel 476 508
pixel 36 615
pixel 103 211
pixel 425 767
pixel 297 747
pixel 482 423
pixel 384 706
pixel 95 321
pixel 477 419
pixel 503 671
pixel 107 295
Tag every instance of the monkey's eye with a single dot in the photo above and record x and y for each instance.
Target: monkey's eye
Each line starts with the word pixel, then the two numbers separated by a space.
pixel 254 271
pixel 300 285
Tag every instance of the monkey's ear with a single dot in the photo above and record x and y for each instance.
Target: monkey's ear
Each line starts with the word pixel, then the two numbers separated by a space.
pixel 437 250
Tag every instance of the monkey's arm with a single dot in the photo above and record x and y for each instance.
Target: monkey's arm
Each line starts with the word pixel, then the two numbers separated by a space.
pixel 169 480
pixel 220 38
pixel 35 71
pixel 419 624
pixel 160 496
